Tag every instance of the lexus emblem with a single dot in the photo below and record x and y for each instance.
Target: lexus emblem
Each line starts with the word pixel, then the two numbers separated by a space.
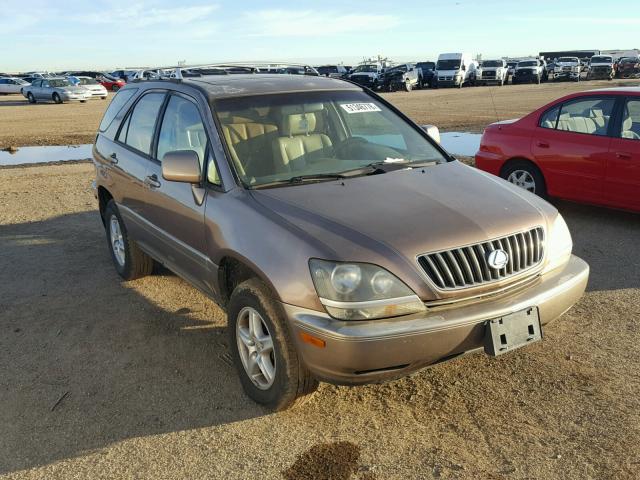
pixel 498 259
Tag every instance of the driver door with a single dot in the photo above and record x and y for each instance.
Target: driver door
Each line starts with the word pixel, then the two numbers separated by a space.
pixel 174 209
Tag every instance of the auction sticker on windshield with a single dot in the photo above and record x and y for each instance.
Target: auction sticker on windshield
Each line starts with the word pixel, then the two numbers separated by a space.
pixel 360 107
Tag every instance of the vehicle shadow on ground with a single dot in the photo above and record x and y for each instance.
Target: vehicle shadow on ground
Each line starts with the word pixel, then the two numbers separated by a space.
pixel 87 360
pixel 608 240
pixel 14 103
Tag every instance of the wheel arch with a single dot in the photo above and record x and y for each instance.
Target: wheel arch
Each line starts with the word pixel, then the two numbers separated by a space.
pixel 514 160
pixel 104 196
pixel 233 270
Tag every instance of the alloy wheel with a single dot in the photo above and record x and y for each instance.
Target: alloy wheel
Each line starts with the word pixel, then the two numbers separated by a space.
pixel 522 179
pixel 256 348
pixel 117 242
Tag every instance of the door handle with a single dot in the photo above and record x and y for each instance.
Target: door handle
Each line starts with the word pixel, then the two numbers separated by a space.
pixel 623 155
pixel 113 159
pixel 542 144
pixel 152 181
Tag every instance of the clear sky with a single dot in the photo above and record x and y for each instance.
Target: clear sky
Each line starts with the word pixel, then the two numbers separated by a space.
pixel 69 34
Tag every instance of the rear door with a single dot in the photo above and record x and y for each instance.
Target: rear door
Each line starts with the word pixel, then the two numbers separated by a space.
pixel 571 145
pixel 129 158
pixel 175 209
pixel 622 180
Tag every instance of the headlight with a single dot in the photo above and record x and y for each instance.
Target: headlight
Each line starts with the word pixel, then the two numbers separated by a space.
pixel 558 245
pixel 361 291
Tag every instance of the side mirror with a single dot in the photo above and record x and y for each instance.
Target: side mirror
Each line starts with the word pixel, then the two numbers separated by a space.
pixel 181 166
pixel 432 131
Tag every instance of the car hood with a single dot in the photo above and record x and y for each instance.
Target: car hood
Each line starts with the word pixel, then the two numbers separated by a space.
pixel 406 213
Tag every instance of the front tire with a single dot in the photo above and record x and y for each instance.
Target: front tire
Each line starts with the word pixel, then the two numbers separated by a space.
pixel 270 370
pixel 31 98
pixel 56 98
pixel 525 175
pixel 407 86
pixel 130 262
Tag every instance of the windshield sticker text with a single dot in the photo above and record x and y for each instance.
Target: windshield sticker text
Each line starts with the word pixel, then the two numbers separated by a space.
pixel 360 107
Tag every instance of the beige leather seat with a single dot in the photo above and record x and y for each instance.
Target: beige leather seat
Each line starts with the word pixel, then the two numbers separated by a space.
pixel 627 125
pixel 249 138
pixel 300 144
pixel 577 124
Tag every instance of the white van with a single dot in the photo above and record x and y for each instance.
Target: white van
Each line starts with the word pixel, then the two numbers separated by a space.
pixel 456 70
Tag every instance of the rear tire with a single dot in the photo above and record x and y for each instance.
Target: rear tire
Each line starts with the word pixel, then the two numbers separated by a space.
pixel 265 347
pixel 525 175
pixel 31 98
pixel 130 262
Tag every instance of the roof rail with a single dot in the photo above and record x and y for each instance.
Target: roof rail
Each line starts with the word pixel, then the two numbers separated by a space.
pixel 180 72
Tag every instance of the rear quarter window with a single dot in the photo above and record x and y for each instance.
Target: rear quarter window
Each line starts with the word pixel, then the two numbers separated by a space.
pixel 115 106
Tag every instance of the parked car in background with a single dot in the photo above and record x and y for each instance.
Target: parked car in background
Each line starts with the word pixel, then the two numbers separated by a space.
pixel 343 242
pixel 405 76
pixel 367 75
pixel 583 147
pixel 56 89
pixel 601 67
pixel 455 70
pixel 567 68
pixel 91 84
pixel 428 72
pixel 107 80
pixel 333 71
pixel 629 67
pixel 10 85
pixel 493 72
pixel 532 70
pixel 511 69
pixel 126 75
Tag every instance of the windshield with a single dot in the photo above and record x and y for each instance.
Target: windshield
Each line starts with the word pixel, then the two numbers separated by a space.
pixel 529 63
pixel 327 69
pixel 59 82
pixel 427 65
pixel 399 68
pixel 630 60
pixel 568 60
pixel 449 64
pixel 491 63
pixel 601 60
pixel 276 138
pixel 512 64
pixel 366 68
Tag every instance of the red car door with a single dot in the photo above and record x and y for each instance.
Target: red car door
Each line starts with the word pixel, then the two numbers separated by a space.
pixel 622 179
pixel 571 146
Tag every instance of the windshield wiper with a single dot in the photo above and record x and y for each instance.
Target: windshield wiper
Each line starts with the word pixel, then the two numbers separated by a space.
pixel 298 179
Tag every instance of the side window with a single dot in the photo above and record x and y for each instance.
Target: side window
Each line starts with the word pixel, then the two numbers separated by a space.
pixel 631 120
pixel 549 119
pixel 589 115
pixel 115 106
pixel 3 81
pixel 45 84
pixel 374 127
pixel 182 129
pixel 141 123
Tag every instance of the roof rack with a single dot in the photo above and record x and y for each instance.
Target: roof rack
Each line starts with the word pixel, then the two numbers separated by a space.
pixel 180 72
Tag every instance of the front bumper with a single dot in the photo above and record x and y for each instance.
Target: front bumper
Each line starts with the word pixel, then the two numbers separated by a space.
pixel 450 82
pixel 378 350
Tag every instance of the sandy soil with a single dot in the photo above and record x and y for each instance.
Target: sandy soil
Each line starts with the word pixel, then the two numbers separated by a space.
pixel 101 378
pixel 469 109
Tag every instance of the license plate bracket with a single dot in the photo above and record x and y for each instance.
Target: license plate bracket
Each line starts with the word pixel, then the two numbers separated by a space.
pixel 512 331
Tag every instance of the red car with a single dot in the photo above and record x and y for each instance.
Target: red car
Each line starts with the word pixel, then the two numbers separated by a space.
pixel 583 147
pixel 111 84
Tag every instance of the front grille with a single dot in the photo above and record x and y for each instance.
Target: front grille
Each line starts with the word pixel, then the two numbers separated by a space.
pixel 489 74
pixel 524 73
pixel 468 267
pixel 361 79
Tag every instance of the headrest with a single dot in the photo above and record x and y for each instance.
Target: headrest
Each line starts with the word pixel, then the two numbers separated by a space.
pixel 299 124
pixel 627 123
pixel 304 108
pixel 597 112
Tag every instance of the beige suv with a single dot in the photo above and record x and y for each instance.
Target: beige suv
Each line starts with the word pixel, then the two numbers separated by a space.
pixel 344 243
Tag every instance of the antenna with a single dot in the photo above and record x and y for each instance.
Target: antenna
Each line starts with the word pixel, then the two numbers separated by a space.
pixel 493 103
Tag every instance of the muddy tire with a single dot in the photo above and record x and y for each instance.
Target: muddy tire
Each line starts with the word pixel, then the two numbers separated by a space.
pixel 265 357
pixel 130 262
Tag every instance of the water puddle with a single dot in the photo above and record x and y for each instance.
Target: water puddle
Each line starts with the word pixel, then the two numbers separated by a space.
pixel 456 143
pixel 461 143
pixel 31 155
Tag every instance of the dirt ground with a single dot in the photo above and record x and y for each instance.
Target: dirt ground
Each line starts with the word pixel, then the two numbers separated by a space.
pixel 101 378
pixel 451 109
